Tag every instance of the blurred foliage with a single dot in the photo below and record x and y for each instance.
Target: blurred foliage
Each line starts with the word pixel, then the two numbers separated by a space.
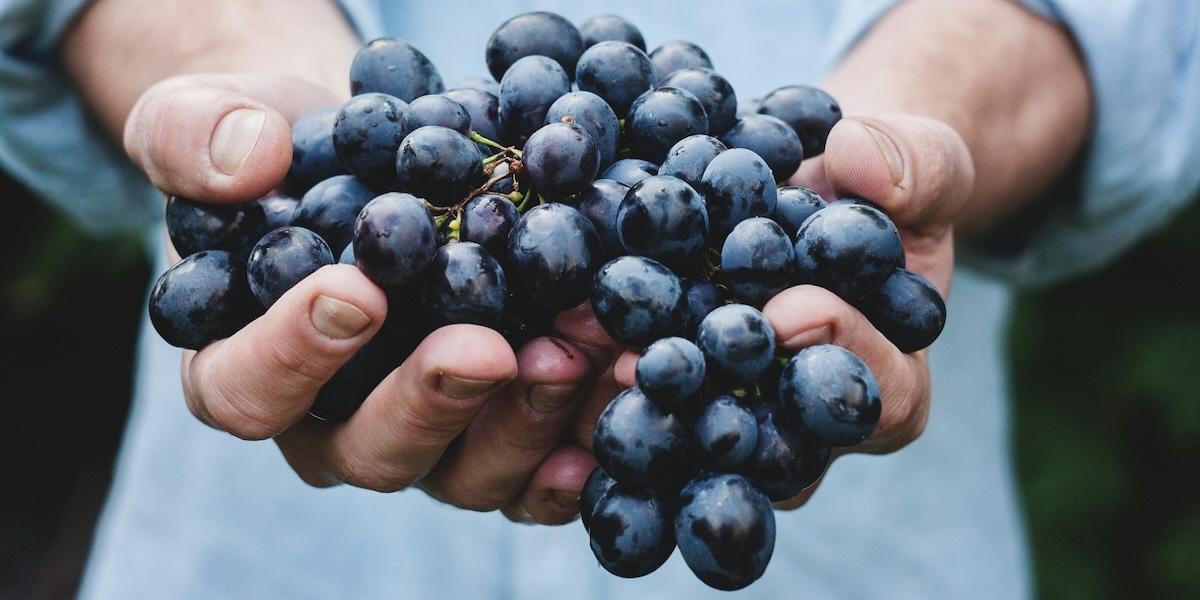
pixel 1106 376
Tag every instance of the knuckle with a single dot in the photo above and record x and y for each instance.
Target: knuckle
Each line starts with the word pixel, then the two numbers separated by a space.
pixel 373 475
pixel 294 365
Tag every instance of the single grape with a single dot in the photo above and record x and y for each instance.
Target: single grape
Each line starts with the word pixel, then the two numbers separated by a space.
pixel 197 226
pixel 313 156
pixel 725 529
pixel 527 91
pixel 606 28
pixel 629 171
pixel 465 284
pixel 201 299
pixel 438 164
pixel 638 300
pixel 850 249
pixel 533 33
pixel 757 261
pixel 714 92
pixel 641 444
pixel 487 220
pixel 394 67
pixel 281 259
pixel 678 54
pixel 688 158
pixel 700 298
pixel 663 218
pixel 597 484
pixel 278 209
pixel 366 133
pixel 593 114
pixel 631 531
pixel 330 208
pixel 394 239
pixel 670 371
pixel 736 185
pixel 827 392
pixel 483 108
pixel 475 82
pixel 560 159
pixel 769 138
pixel 618 72
pixel 726 433
pixel 907 310
pixel 660 118
pixel 435 109
pixel 738 343
pixel 502 177
pixel 796 204
pixel 783 462
pixel 599 203
pixel 809 111
pixel 553 253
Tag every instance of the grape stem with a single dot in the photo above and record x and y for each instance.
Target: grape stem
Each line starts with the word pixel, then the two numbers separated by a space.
pixel 475 137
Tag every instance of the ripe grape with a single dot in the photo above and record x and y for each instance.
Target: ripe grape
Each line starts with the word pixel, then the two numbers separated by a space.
pixel 465 284
pixel 632 532
pixel 438 164
pixel 726 434
pixel 638 300
pixel 809 111
pixel 527 90
pixel 599 203
pixel 560 159
pixel 618 72
pixel 713 91
pixel 661 117
pixel 640 443
pixel 593 114
pixel 196 226
pixel 907 310
pixel 738 343
pixel 796 204
pixel 689 157
pixel 629 171
pixel 663 218
pixel 533 33
pixel 394 67
pixel 827 392
pixel 553 253
pixel 736 185
pixel 678 54
pixel 757 261
pixel 366 133
pixel 330 208
pixel 487 220
pixel 605 28
pixel 670 371
pixel 281 259
pixel 769 138
pixel 725 529
pixel 394 239
pixel 850 249
pixel 201 299
pixel 437 109
pixel 313 156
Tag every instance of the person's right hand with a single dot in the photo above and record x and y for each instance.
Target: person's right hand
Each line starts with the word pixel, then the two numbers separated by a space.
pixel 226 138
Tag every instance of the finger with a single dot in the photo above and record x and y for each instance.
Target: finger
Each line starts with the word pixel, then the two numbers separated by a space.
pixel 406 423
pixel 625 369
pixel 552 496
pixel 808 315
pixel 918 170
pixel 514 432
pixel 263 379
pixel 811 175
pixel 219 137
pixel 580 326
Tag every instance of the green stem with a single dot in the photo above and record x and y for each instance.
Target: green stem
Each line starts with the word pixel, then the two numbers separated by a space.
pixel 475 137
pixel 495 157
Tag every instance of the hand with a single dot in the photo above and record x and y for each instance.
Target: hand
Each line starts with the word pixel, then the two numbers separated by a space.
pixel 464 418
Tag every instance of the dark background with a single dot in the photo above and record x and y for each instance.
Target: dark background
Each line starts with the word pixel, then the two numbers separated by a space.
pixel 1106 378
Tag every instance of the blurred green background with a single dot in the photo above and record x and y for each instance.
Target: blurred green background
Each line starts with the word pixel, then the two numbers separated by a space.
pixel 1106 376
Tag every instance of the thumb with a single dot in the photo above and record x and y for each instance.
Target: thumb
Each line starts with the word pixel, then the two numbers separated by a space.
pixel 224 138
pixel 917 169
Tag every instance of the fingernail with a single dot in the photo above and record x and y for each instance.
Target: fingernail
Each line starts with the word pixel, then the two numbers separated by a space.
pixel 566 500
pixel 338 319
pixel 549 398
pixel 462 388
pixel 812 337
pixel 890 152
pixel 234 139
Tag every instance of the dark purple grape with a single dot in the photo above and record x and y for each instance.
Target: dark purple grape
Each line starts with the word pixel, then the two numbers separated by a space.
pixel 349 387
pixel 560 159
pixel 726 433
pixel 502 177
pixel 678 54
pixel 487 220
pixel 700 298
pixel 757 261
pixel 618 72
pixel 738 343
pixel 197 226
pixel 533 33
pixel 599 203
pixel 526 93
pixel 663 218
pixel 688 158
pixel 281 259
pixel 769 138
pixel 597 484
pixel 610 28
pixel 437 109
pixel 850 249
pixel 553 253
pixel 736 185
pixel 313 156
pixel 670 371
pixel 784 462
pixel 660 118
pixel 278 209
pixel 796 204
pixel 907 310
pixel 366 133
pixel 438 164
pixel 483 84
pixel 394 239
pixel 637 300
pixel 483 108
pixel 827 392
pixel 725 529
pixel 202 299
pixel 593 114
pixel 809 111
pixel 631 531
pixel 465 284
pixel 641 444
pixel 629 171
pixel 330 208
pixel 713 91
pixel 394 67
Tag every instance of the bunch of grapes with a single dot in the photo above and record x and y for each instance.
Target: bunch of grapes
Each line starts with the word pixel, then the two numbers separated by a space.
pixel 592 171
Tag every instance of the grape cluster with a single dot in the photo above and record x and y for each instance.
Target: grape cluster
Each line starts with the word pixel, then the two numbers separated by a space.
pixel 592 171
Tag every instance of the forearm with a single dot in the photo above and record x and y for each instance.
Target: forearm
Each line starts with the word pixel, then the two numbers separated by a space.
pixel 119 48
pixel 1011 84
